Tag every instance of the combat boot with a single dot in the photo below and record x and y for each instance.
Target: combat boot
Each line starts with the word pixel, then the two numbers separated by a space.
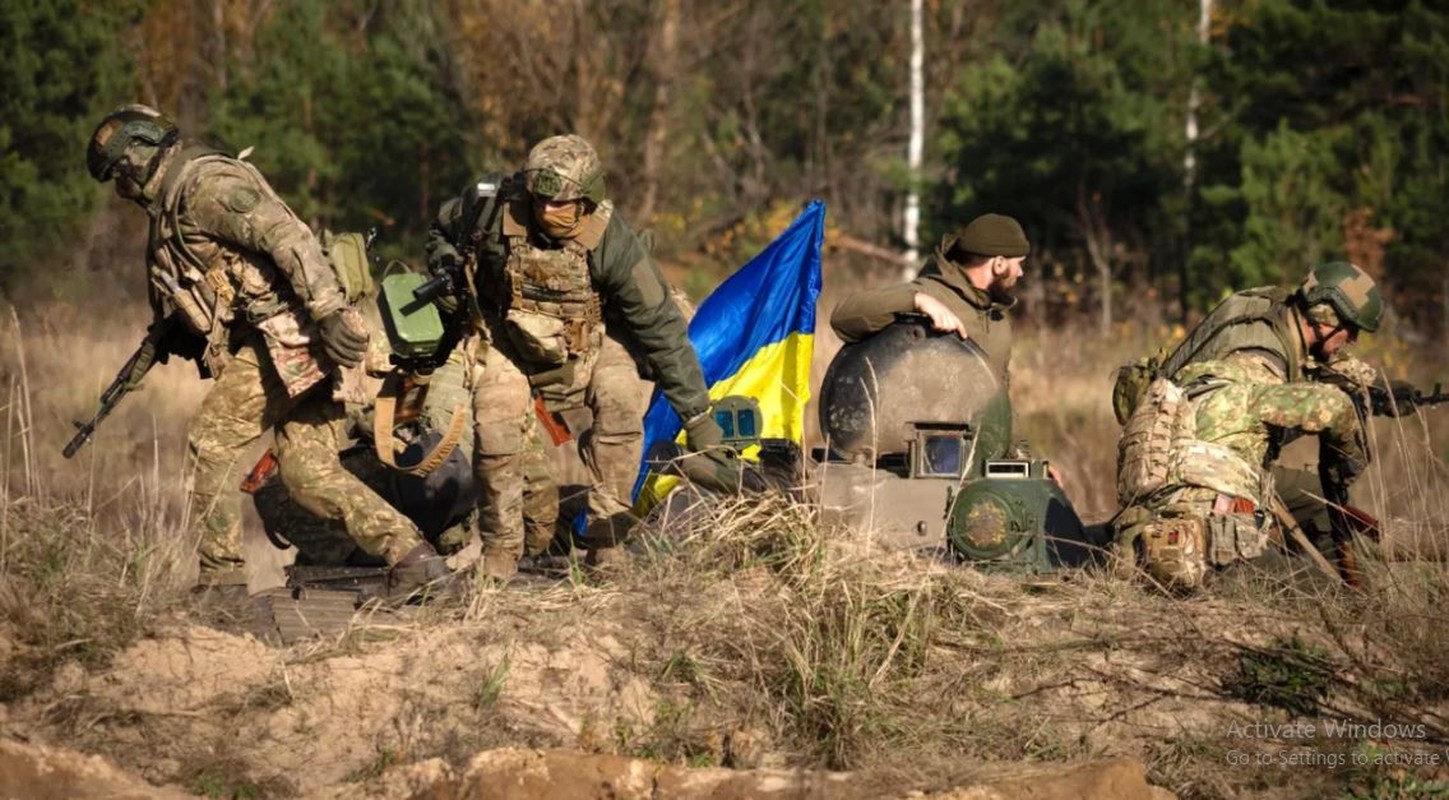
pixel 609 562
pixel 420 576
pixel 497 568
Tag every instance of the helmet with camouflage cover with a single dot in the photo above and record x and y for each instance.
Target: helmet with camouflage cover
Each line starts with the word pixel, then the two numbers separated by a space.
pixel 564 168
pixel 1348 290
pixel 122 128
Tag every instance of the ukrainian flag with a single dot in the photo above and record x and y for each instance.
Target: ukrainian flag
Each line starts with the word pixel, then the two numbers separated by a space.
pixel 754 335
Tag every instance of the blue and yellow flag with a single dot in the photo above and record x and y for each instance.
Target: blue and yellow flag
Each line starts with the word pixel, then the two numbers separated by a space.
pixel 755 334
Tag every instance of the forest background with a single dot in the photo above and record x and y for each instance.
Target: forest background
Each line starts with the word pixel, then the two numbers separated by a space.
pixel 1320 134
pixel 1158 156
pixel 1322 127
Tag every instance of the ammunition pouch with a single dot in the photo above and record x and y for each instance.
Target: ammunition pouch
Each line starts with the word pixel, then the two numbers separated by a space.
pixel 538 338
pixel 1163 420
pixel 1172 551
pixel 347 253
pixel 544 338
pixel 1235 537
pixel 1133 378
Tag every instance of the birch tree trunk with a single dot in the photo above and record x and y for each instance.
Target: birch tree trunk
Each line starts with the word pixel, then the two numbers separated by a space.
pixel 916 146
pixel 1189 162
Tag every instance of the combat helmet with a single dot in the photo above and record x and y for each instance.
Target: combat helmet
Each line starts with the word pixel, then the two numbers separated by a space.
pixel 126 126
pixel 1348 290
pixel 564 168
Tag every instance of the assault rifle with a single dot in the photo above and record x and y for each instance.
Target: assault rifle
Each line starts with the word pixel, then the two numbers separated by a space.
pixel 1386 398
pixel 122 385
pixel 447 281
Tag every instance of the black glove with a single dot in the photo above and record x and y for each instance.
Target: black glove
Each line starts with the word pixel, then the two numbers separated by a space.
pixel 447 267
pixel 1393 398
pixel 179 340
pixel 344 337
pixel 1337 471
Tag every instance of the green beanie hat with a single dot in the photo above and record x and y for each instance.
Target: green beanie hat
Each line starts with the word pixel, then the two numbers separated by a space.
pixel 992 235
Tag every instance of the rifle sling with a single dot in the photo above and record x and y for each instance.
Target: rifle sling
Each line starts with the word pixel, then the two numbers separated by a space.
pixel 385 444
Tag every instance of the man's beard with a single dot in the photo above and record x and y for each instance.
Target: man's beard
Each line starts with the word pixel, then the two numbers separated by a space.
pixel 999 293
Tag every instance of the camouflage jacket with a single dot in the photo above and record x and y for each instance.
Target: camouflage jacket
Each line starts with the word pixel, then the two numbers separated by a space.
pixel 1242 403
pixel 866 312
pixel 229 257
pixel 635 298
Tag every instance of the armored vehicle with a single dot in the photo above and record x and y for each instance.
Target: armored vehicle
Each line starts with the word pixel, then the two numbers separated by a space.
pixel 919 454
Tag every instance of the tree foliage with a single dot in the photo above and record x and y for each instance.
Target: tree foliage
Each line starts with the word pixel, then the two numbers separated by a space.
pixel 62 69
pixel 1323 123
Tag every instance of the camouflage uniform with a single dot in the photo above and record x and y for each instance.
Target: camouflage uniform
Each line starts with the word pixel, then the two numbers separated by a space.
pixel 560 315
pixel 865 313
pixel 441 503
pixel 1196 469
pixel 229 259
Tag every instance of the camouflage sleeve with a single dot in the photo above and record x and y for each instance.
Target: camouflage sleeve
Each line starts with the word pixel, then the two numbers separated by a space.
pixel 1316 408
pixel 232 204
pixel 863 313
pixel 634 288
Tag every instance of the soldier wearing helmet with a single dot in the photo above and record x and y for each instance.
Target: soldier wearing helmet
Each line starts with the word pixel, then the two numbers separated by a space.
pixel 561 296
pixel 1197 472
pixel 241 285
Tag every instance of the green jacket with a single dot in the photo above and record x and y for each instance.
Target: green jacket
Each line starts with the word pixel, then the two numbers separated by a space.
pixel 634 295
pixel 866 312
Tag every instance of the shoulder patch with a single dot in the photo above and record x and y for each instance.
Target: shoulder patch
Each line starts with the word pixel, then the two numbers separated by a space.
pixel 242 199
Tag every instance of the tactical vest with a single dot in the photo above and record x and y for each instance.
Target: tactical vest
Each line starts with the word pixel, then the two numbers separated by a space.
pixel 211 286
pixel 181 280
pixel 1253 319
pixel 550 306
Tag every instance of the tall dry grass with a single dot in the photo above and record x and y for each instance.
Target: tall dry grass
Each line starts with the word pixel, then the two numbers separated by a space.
pixel 771 638
pixel 92 549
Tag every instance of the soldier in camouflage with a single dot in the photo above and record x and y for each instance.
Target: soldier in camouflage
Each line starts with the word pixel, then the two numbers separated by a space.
pixel 1196 464
pixel 241 285
pixel 561 296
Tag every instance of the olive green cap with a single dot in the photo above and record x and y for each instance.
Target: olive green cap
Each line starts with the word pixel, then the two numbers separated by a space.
pixel 990 235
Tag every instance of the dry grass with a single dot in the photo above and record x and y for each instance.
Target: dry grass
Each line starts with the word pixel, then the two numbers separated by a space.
pixel 763 636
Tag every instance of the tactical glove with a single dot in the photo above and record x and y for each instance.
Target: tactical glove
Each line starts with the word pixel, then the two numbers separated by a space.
pixel 1337 470
pixel 702 433
pixel 447 267
pixel 1393 398
pixel 344 337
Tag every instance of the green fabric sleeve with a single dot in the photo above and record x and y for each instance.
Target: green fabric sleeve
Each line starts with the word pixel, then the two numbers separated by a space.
pixel 866 312
pixel 635 290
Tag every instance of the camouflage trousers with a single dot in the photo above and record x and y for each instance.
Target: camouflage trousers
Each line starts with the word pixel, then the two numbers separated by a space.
pixel 508 450
pixel 1178 543
pixel 247 399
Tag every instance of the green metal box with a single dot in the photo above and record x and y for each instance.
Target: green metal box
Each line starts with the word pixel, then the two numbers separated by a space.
pixel 414 327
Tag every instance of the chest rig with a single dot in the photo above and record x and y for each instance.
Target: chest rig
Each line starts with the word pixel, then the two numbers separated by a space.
pixel 552 311
pixel 181 279
pixel 212 286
